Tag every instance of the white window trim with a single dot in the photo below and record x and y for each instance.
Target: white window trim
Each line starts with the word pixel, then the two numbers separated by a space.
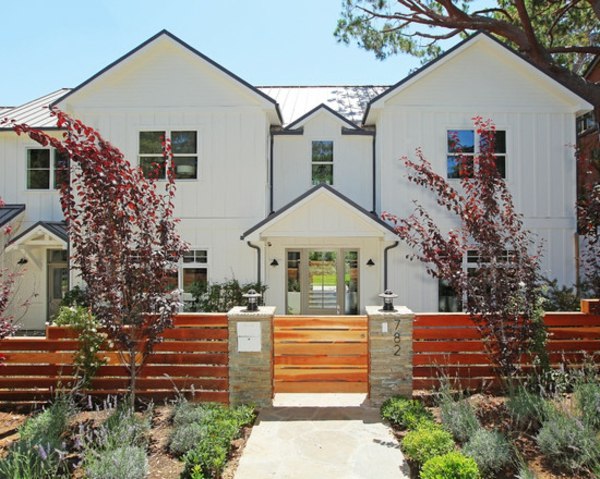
pixel 167 132
pixel 181 266
pixel 312 162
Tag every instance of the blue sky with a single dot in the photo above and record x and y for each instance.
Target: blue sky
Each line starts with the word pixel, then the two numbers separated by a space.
pixel 49 45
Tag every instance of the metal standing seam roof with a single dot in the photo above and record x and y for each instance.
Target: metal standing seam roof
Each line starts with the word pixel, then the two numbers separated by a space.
pixel 350 101
pixel 10 212
pixel 294 101
pixel 34 113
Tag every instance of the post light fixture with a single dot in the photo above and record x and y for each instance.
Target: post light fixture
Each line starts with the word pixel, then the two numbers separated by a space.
pixel 274 263
pixel 388 300
pixel 252 297
pixel 370 262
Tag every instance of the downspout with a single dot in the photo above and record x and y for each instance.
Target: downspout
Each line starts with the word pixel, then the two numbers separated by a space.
pixel 374 209
pixel 258 260
pixel 271 175
pixel 385 263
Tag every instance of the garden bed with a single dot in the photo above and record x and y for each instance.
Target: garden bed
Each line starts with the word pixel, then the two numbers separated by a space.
pixel 162 463
pixel 493 414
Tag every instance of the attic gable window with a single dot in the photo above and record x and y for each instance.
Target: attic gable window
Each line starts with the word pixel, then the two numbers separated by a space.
pixel 184 147
pixel 46 169
pixel 467 144
pixel 322 162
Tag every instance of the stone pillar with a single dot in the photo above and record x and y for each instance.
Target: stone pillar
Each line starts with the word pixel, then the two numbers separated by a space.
pixel 251 356
pixel 390 353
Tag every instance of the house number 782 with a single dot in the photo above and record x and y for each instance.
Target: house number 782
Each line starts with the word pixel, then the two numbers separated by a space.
pixel 397 338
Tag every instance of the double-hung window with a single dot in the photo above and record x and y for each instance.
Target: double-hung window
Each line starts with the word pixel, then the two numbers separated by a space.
pixel 47 169
pixel 322 162
pixel 463 145
pixel 184 149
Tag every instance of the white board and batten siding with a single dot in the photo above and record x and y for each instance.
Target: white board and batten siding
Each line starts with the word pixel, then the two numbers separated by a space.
pixel 540 161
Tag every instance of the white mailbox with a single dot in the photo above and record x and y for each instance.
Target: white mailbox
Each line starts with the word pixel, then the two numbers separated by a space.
pixel 248 336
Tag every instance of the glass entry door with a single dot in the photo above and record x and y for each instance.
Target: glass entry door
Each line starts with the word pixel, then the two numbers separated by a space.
pixel 58 280
pixel 322 281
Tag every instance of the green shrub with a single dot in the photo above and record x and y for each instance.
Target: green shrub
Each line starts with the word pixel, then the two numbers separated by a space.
pixel 76 297
pixel 526 409
pixel 124 426
pixel 87 359
pixel 426 442
pixel 459 418
pixel 125 462
pixel 405 413
pixel 187 413
pixel 567 442
pixel 587 398
pixel 208 458
pixel 490 450
pixel 452 465
pixel 221 297
pixel 49 425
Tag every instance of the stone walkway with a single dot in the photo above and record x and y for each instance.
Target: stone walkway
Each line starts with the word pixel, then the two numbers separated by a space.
pixel 305 436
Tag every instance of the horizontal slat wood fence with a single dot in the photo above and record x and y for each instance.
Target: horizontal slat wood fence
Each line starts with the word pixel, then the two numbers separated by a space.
pixel 449 345
pixel 320 354
pixel 192 359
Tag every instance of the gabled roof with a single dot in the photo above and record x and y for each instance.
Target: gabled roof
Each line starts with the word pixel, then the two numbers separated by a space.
pixel 322 107
pixel 348 101
pixel 56 229
pixel 166 33
pixel 379 100
pixel 9 213
pixel 305 197
pixel 35 113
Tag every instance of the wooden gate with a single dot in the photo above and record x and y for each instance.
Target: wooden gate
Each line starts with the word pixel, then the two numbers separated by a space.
pixel 324 354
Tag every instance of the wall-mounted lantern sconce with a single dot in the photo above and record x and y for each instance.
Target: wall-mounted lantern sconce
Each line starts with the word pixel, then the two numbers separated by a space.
pixel 252 297
pixel 388 300
pixel 274 262
pixel 22 261
pixel 370 262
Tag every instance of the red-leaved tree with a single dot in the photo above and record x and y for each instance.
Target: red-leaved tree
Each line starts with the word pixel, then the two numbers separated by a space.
pixel 589 226
pixel 501 292
pixel 122 236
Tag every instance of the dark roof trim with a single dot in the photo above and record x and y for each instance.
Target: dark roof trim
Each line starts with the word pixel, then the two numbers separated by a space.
pixel 329 109
pixel 448 52
pixel 590 68
pixel 10 212
pixel 359 132
pixel 191 49
pixel 371 215
pixel 57 228
pixel 297 131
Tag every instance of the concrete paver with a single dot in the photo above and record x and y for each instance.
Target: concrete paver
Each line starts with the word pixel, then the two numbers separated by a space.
pixel 306 436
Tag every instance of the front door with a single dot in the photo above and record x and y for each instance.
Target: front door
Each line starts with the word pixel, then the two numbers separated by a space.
pixel 58 280
pixel 322 281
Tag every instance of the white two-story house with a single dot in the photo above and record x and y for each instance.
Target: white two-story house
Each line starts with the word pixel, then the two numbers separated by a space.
pixel 286 185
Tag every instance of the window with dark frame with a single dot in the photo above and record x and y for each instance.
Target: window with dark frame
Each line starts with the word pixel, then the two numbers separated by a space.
pixel 46 169
pixel 463 145
pixel 184 150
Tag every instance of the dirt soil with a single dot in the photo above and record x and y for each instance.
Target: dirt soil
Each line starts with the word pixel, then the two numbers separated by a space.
pixel 162 464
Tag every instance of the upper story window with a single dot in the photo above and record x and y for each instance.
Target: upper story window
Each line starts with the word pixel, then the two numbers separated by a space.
pixel 466 144
pixel 47 169
pixel 184 148
pixel 322 162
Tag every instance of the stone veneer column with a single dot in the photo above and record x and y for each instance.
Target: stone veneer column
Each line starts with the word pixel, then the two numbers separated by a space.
pixel 390 353
pixel 251 372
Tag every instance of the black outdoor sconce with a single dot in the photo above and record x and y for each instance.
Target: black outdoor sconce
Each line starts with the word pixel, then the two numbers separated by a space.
pixel 370 262
pixel 274 263
pixel 252 297
pixel 388 300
